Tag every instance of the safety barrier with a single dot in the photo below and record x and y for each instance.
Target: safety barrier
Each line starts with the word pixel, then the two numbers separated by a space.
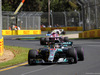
pixel 28 32
pixel 65 28
pixel 1 47
pixel 21 32
pixel 90 34
pixel 6 32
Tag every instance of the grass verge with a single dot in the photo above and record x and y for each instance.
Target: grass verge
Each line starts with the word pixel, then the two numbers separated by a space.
pixel 21 55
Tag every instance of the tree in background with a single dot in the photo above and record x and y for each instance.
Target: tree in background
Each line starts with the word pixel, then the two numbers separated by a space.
pixel 10 5
pixel 40 5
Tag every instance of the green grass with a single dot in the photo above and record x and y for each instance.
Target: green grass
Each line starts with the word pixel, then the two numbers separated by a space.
pixel 21 55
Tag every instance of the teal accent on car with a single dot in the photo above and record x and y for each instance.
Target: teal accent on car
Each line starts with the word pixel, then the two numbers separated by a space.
pixel 45 45
pixel 37 61
pixel 67 43
pixel 65 60
pixel 51 56
pixel 59 50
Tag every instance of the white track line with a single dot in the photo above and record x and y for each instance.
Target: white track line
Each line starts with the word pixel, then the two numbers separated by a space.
pixel 36 70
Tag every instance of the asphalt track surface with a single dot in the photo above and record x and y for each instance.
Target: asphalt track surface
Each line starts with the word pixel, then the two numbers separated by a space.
pixel 90 66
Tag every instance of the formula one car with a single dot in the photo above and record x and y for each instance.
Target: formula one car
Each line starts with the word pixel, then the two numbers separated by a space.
pixel 54 37
pixel 57 31
pixel 56 53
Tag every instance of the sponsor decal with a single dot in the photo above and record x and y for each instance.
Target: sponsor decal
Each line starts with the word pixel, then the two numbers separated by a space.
pixel 0 50
pixel 7 32
pixel 52 55
pixel 92 33
pixel 0 47
pixel 35 32
pixel 26 32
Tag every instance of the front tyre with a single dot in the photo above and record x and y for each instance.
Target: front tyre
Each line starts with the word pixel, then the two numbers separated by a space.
pixel 73 54
pixel 32 57
pixel 42 41
pixel 80 53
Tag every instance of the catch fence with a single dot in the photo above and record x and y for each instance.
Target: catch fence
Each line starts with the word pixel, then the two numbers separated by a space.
pixel 35 20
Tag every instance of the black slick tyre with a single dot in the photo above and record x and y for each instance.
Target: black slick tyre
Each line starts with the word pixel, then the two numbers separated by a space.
pixel 72 54
pixel 80 53
pixel 42 41
pixel 32 55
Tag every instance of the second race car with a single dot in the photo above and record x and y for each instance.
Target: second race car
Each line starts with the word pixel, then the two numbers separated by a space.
pixel 58 31
pixel 54 37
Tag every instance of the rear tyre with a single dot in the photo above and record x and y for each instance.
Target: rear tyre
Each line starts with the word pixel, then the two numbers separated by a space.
pixel 42 41
pixel 80 53
pixel 46 40
pixel 73 54
pixel 32 57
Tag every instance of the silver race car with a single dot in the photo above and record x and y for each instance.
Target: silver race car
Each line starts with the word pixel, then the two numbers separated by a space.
pixel 56 53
